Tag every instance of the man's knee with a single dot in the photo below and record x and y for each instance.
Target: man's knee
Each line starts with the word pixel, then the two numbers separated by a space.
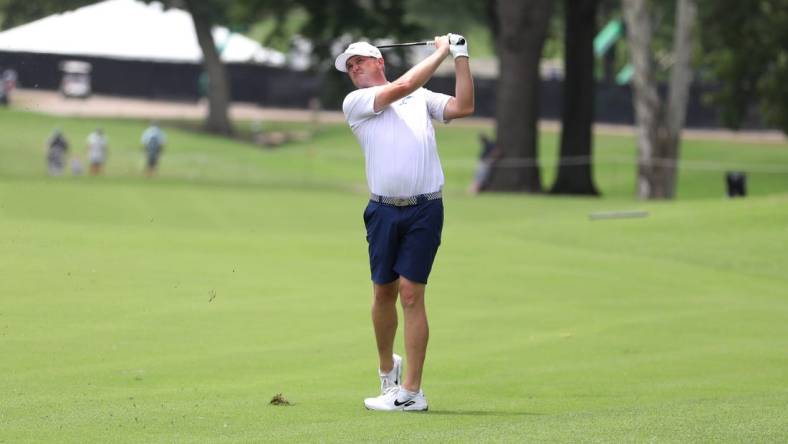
pixel 411 294
pixel 386 293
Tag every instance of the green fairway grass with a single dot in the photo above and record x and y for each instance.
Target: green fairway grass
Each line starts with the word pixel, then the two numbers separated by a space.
pixel 173 309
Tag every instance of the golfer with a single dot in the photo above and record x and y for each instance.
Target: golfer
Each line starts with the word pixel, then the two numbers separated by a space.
pixel 393 123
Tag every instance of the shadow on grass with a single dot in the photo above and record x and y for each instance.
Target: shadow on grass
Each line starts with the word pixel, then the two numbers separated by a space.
pixel 480 413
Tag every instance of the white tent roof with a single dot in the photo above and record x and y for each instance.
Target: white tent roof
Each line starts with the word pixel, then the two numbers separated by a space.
pixel 130 29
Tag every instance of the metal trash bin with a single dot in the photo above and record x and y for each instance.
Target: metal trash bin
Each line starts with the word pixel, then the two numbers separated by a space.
pixel 736 182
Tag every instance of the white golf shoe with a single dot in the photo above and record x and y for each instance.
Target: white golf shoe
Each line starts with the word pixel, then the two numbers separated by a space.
pixel 398 399
pixel 392 378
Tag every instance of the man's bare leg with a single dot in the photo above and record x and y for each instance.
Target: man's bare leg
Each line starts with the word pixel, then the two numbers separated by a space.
pixel 417 331
pixel 384 319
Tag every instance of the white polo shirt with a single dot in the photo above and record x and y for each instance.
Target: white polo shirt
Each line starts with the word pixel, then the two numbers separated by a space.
pixel 399 141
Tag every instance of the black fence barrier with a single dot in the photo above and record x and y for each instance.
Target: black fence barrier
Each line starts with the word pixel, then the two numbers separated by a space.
pixel 265 85
pixel 279 87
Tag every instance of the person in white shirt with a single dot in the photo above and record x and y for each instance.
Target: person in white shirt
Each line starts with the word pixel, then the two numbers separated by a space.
pixel 404 217
pixel 97 151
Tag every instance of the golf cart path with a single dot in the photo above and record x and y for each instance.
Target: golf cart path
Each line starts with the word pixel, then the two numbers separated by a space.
pixel 51 102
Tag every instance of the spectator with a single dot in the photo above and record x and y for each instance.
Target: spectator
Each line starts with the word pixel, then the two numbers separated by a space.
pixel 153 140
pixel 9 79
pixel 57 147
pixel 97 151
pixel 7 84
pixel 487 157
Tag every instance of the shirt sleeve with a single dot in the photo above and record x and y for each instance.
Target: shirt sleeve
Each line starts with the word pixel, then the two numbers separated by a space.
pixel 359 105
pixel 436 103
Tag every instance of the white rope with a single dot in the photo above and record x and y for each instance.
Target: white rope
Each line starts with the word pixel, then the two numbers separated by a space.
pixel 696 165
pixel 601 160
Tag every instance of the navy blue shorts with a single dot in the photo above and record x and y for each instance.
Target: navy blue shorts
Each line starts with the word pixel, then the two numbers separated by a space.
pixel 403 241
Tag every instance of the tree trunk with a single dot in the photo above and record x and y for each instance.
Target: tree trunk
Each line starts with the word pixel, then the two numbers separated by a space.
pixel 218 85
pixel 680 80
pixel 522 29
pixel 575 174
pixel 659 123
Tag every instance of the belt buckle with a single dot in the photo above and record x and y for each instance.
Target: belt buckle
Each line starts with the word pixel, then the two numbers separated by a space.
pixel 401 201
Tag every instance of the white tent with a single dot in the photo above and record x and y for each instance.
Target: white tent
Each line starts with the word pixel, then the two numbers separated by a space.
pixel 132 30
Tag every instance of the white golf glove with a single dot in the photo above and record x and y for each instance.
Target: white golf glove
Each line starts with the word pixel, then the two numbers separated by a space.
pixel 458 46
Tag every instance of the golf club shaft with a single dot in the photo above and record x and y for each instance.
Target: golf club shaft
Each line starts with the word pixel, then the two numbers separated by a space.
pixel 424 43
pixel 397 45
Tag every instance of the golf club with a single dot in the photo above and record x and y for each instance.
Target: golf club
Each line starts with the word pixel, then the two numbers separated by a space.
pixel 425 43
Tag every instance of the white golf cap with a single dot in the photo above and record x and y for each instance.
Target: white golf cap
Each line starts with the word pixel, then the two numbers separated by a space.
pixel 356 49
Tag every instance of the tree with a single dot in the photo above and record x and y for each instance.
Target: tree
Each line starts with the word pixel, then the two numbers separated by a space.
pixel 745 51
pixel 522 27
pixel 659 123
pixel 204 14
pixel 326 20
pixel 575 175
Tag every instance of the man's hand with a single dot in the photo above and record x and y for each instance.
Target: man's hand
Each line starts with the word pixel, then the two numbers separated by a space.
pixel 442 43
pixel 458 46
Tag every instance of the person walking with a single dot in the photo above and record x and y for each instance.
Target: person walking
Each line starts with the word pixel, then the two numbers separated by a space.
pixel 487 157
pixel 404 217
pixel 153 140
pixel 57 147
pixel 97 151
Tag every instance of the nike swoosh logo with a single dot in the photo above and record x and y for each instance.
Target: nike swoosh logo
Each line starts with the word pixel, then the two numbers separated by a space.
pixel 406 403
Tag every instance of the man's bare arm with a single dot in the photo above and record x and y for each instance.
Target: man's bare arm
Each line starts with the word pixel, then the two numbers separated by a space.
pixel 462 104
pixel 415 78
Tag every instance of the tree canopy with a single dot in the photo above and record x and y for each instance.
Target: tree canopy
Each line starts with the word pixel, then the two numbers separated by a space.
pixel 745 46
pixel 19 12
